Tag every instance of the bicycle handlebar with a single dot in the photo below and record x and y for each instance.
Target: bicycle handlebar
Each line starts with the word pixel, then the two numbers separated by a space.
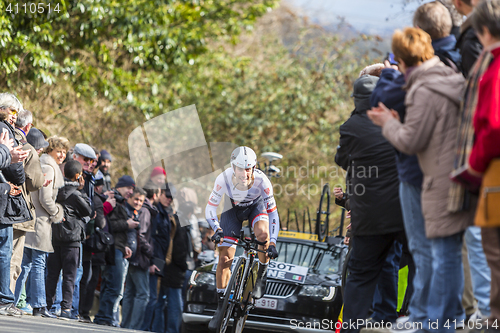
pixel 247 243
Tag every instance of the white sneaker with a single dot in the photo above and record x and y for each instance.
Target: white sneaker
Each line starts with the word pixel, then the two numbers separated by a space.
pixel 476 316
pixel 403 319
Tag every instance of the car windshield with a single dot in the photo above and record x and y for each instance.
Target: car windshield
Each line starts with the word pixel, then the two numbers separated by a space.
pixel 318 259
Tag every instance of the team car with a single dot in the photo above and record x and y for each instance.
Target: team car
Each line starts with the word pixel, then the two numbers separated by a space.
pixel 303 291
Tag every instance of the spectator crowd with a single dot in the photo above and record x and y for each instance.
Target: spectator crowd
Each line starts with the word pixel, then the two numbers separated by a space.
pixel 426 125
pixel 67 234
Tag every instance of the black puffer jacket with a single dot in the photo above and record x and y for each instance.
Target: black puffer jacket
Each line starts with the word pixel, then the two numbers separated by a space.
pixel 118 226
pixel 369 159
pixel 14 172
pixel 5 159
pixel 71 231
pixel 13 209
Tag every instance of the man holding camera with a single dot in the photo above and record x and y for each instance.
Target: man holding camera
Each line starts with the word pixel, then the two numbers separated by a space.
pixel 119 224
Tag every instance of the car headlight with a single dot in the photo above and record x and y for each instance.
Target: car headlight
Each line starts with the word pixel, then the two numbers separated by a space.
pixel 200 278
pixel 326 293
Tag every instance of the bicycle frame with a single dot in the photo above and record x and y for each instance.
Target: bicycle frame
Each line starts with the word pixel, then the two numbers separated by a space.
pixel 241 301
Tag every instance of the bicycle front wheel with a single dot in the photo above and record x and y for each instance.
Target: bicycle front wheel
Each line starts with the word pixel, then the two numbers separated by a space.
pixel 241 310
pixel 232 289
pixel 239 323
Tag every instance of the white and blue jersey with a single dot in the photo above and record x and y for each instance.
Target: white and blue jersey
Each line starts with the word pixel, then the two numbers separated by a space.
pixel 255 204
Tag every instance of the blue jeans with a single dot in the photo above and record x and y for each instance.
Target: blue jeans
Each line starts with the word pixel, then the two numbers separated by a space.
pixel 116 306
pixel 420 248
pixel 135 297
pixel 479 269
pixel 385 299
pixel 447 282
pixel 153 296
pixel 6 237
pixel 33 270
pixel 173 296
pixel 110 289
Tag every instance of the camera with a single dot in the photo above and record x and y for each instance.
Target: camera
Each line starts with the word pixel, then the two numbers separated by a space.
pixel 390 58
pixel 119 198
pixel 135 217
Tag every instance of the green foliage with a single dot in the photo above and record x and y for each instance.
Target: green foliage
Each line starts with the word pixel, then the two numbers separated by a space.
pixel 108 47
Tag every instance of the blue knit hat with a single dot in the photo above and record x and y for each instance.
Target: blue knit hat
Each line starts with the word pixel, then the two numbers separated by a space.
pixel 125 181
pixel 105 155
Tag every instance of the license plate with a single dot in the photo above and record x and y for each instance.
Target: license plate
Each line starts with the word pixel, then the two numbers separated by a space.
pixel 266 303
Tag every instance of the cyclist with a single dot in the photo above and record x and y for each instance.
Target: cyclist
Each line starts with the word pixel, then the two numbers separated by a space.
pixel 251 198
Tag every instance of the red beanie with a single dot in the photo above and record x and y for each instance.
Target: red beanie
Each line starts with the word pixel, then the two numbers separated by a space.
pixel 157 171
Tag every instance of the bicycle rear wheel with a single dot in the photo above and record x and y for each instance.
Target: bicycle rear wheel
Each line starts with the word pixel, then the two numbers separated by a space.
pixel 233 288
pixel 323 213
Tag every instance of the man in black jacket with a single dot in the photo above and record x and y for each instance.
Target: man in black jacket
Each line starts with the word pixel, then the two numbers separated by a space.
pixel 67 237
pixel 89 283
pixel 86 155
pixel 376 219
pixel 11 201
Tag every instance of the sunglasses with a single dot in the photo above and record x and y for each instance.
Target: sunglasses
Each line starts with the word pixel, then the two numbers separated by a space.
pixel 88 159
pixel 12 111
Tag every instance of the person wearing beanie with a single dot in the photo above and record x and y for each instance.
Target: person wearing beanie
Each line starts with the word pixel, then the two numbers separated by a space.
pixel 125 181
pixel 36 139
pixel 158 176
pixel 114 275
pixel 104 164
pixel 376 225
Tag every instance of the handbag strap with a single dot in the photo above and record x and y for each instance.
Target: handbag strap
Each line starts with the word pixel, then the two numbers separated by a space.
pixel 168 257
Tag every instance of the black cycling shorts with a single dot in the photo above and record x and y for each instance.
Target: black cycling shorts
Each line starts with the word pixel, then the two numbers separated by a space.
pixel 232 219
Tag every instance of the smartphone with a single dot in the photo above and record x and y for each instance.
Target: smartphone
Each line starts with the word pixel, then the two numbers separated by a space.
pixel 390 58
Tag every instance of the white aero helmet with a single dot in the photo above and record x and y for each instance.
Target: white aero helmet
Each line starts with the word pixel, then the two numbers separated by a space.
pixel 243 157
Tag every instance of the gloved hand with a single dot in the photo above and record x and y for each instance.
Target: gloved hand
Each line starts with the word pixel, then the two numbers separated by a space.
pixel 272 253
pixel 218 236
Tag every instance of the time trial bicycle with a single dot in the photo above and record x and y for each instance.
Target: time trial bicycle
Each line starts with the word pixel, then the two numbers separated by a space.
pixel 238 300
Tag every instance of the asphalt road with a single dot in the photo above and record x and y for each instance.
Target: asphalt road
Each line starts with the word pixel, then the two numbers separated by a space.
pixel 30 324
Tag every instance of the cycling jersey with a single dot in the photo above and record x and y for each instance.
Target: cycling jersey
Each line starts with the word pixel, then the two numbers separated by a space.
pixel 261 189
